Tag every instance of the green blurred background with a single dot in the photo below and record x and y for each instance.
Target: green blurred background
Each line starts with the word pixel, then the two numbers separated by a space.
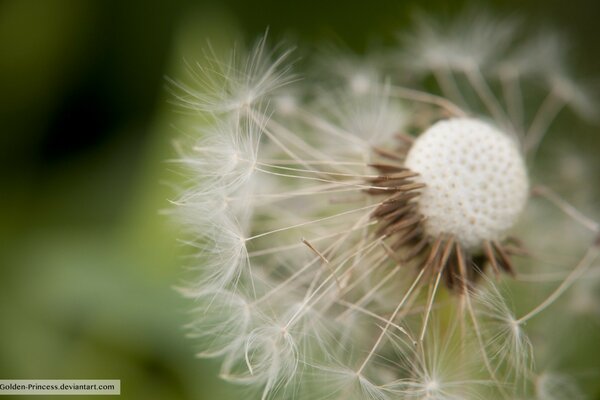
pixel 87 263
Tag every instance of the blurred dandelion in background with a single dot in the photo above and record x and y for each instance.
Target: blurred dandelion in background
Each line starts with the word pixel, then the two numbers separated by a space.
pixel 371 229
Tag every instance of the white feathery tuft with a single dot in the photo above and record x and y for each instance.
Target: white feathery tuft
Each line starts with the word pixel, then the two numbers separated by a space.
pixel 326 217
pixel 220 247
pixel 267 357
pixel 220 320
pixel 507 343
pixel 224 158
pixel 243 82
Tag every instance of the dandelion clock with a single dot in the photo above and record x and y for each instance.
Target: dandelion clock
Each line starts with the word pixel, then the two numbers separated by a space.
pixel 371 228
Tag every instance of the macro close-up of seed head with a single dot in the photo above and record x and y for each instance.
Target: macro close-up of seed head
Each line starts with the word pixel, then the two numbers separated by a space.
pixel 300 200
pixel 472 186
pixel 373 227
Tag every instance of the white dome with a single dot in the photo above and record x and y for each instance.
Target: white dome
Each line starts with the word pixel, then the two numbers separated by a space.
pixel 475 177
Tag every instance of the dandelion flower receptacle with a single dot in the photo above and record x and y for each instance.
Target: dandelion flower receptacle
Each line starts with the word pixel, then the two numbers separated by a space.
pixel 473 186
pixel 349 235
pixel 475 180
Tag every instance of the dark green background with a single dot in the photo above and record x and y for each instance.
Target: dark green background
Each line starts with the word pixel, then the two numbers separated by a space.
pixel 87 263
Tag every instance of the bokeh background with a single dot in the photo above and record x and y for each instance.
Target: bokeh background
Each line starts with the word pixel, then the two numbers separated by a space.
pixel 87 262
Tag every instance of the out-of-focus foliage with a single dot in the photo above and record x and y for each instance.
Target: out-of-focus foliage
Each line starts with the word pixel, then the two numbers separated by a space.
pixel 87 263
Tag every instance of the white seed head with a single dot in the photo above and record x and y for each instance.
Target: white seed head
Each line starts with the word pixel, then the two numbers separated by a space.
pixel 475 177
pixel 300 219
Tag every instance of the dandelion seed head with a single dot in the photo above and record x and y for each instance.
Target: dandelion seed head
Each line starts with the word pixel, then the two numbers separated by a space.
pixel 328 217
pixel 475 180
